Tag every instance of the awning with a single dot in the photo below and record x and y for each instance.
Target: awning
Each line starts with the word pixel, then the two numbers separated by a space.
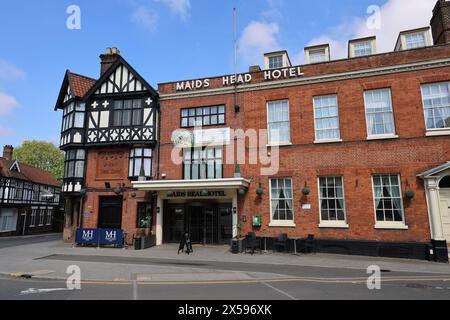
pixel 174 185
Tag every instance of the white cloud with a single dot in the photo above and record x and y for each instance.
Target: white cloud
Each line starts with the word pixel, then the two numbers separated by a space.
pixel 257 39
pixel 179 7
pixel 7 103
pixel 5 131
pixel 396 16
pixel 145 18
pixel 9 71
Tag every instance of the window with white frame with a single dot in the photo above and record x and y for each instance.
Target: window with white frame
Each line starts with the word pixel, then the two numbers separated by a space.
pixel 317 55
pixel 33 217
pixel 73 116
pixel 276 62
pixel 140 160
pixel 49 216
pixel 415 40
pixel 41 216
pixel 282 202
pixel 278 122
pixel 388 199
pixel 436 104
pixel 326 118
pixel 8 220
pixel 203 163
pixel 361 49
pixel 332 201
pixel 74 163
pixel 379 113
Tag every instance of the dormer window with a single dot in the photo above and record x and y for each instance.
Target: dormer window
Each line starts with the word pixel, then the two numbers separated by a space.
pixel 277 60
pixel 362 47
pixel 413 39
pixel 317 54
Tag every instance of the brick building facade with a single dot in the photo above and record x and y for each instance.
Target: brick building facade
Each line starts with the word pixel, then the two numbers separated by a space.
pixel 362 144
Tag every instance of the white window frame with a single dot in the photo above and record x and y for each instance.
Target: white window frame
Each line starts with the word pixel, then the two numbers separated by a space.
pixel 380 136
pixel 355 43
pixel 309 52
pixel 13 223
pixel 279 59
pixel 34 211
pixel 282 223
pixel 412 34
pixel 49 220
pixel 270 143
pixel 433 131
pixel 393 225
pixel 317 140
pixel 332 223
pixel 42 215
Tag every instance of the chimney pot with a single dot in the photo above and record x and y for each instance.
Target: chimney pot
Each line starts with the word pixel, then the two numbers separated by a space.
pixel 108 59
pixel 440 23
pixel 8 152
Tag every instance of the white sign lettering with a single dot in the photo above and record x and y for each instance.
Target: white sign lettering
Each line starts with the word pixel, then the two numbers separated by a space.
pixel 231 80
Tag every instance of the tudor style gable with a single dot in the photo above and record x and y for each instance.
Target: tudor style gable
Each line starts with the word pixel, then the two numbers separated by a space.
pixel 73 89
pixel 121 107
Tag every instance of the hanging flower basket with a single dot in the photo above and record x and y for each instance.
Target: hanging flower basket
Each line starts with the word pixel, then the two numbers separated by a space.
pixel 242 192
pixel 260 191
pixel 410 194
pixel 306 191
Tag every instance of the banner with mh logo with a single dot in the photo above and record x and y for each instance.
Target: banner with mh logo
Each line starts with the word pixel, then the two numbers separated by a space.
pixel 99 237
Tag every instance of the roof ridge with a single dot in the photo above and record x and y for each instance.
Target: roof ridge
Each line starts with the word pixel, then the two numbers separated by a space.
pixel 83 76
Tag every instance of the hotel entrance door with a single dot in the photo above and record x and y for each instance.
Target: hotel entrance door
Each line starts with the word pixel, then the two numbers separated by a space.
pixel 207 224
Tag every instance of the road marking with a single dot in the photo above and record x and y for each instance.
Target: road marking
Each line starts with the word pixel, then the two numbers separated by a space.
pixel 135 290
pixel 298 279
pixel 279 291
pixel 37 291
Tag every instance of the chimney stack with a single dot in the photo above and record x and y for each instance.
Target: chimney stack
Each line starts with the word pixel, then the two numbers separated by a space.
pixel 108 59
pixel 8 152
pixel 440 23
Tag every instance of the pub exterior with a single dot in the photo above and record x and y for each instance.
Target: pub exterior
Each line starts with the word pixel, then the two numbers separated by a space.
pixel 355 151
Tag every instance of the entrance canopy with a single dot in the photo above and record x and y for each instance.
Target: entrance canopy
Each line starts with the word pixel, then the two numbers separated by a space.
pixel 172 185
pixel 435 171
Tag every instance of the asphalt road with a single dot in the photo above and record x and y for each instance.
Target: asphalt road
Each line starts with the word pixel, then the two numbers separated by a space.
pixel 20 241
pixel 299 283
pixel 33 289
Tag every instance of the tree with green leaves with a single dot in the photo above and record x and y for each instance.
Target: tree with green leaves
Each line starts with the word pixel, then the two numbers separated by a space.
pixel 42 155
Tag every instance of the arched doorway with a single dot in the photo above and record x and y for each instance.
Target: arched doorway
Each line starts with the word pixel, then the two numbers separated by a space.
pixel 444 195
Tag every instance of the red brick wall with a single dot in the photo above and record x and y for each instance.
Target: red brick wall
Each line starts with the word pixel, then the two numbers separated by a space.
pixel 95 182
pixel 356 158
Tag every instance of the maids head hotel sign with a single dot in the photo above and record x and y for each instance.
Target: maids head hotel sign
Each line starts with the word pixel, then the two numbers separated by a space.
pixel 246 78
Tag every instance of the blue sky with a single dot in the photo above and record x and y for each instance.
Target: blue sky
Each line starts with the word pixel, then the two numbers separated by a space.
pixel 166 40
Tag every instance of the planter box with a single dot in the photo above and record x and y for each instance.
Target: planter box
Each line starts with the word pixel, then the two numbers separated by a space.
pixel 142 243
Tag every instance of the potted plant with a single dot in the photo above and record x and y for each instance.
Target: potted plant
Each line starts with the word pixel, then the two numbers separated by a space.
pixel 146 224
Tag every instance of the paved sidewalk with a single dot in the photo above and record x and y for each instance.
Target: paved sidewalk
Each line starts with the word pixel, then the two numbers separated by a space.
pixel 51 259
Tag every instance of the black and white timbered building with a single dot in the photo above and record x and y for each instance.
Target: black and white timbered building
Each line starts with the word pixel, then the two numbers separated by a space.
pixel 29 197
pixel 109 133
